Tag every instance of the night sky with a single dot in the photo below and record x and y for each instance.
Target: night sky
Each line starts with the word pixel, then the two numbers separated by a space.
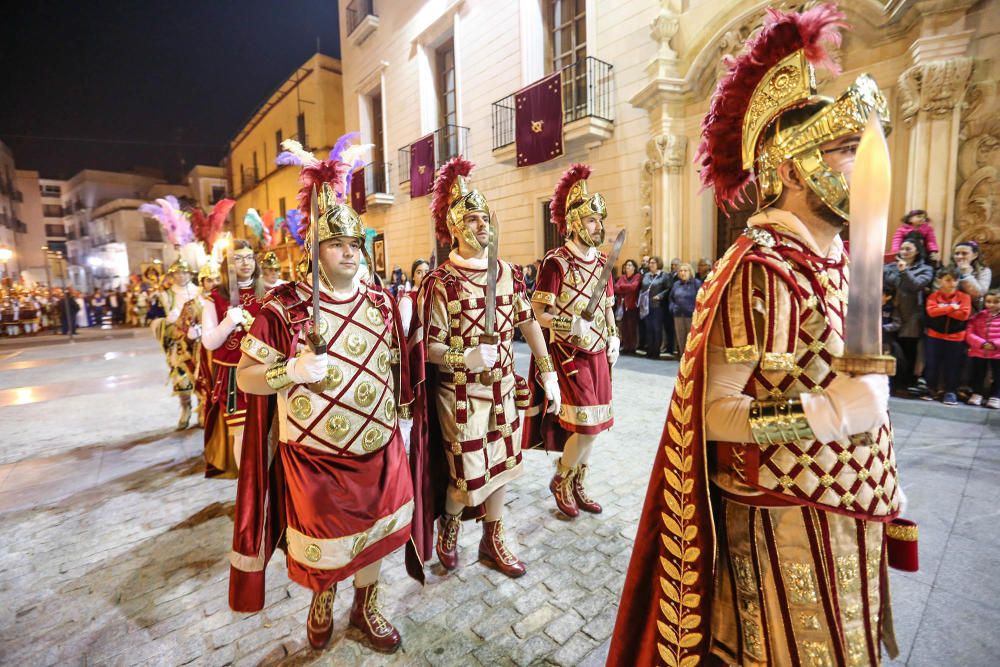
pixel 183 74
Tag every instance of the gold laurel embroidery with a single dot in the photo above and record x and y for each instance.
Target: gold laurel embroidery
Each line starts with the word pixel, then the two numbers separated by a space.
pixel 680 608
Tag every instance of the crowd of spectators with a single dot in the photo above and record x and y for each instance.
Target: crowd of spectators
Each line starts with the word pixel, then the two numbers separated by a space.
pixel 940 319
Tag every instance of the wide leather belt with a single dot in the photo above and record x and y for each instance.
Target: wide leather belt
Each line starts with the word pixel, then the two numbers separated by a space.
pixel 486 377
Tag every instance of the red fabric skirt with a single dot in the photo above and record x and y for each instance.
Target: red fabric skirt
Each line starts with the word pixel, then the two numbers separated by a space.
pixel 585 388
pixel 329 497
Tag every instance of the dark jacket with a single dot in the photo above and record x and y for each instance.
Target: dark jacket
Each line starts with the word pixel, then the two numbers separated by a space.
pixel 658 286
pixel 682 296
pixel 910 286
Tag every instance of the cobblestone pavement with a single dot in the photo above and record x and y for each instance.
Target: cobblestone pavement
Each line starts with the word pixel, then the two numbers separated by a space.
pixel 115 545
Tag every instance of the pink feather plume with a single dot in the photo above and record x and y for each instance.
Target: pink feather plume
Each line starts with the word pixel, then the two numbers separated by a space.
pixel 324 171
pixel 722 138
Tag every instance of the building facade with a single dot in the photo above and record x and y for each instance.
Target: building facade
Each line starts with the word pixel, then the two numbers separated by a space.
pixel 11 224
pixel 308 107
pixel 637 78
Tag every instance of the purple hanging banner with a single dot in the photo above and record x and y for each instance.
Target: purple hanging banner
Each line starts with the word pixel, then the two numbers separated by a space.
pixel 538 122
pixel 422 166
pixel 359 198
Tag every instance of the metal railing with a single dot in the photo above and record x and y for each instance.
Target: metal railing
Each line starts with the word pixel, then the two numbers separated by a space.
pixel 588 91
pixel 377 178
pixel 356 13
pixel 449 141
pixel 55 230
pixel 249 178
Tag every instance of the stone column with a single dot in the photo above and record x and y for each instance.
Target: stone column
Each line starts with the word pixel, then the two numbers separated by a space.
pixel 930 93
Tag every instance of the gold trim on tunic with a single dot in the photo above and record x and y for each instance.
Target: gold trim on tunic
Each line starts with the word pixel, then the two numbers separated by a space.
pixel 335 553
pixel 742 354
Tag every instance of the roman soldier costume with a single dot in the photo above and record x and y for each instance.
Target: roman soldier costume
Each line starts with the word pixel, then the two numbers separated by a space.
pixel 178 350
pixel 270 262
pixel 763 536
pixel 336 494
pixel 228 406
pixel 580 350
pixel 466 439
pixel 189 326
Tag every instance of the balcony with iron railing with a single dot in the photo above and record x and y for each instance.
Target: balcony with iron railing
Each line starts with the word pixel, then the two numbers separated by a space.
pixel 248 179
pixel 378 184
pixel 361 21
pixel 588 108
pixel 449 141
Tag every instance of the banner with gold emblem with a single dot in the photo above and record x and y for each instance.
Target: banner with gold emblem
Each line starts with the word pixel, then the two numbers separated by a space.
pixel 538 121
pixel 421 166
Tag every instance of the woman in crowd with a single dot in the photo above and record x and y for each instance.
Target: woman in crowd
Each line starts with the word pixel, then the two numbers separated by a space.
pixel 682 295
pixel 975 276
pixel 655 285
pixel 406 297
pixel 627 291
pixel 910 275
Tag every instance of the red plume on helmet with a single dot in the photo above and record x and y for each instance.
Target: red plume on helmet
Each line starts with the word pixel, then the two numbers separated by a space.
pixel 557 206
pixel 441 195
pixel 333 172
pixel 722 130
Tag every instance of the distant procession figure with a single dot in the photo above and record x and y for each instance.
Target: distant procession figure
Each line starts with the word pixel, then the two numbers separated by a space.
pixel 177 347
pixel 582 352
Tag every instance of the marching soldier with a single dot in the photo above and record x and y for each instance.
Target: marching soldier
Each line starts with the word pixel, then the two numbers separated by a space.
pixel 270 269
pixel 583 351
pixel 467 443
pixel 325 355
pixel 175 344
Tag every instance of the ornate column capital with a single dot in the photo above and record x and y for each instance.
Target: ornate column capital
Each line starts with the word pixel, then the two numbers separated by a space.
pixel 666 151
pixel 934 87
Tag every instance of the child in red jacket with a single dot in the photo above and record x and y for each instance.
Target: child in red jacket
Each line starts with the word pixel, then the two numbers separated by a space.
pixel 947 312
pixel 983 338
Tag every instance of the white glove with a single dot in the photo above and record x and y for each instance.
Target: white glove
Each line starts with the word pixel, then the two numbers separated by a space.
pixel 481 357
pixel 235 316
pixel 405 426
pixel 903 501
pixel 850 405
pixel 550 382
pixel 194 332
pixel 579 327
pixel 307 367
pixel 614 345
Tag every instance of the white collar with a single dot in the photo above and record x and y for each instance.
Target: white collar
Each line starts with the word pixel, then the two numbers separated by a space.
pixel 791 223
pixel 478 263
pixel 245 284
pixel 589 256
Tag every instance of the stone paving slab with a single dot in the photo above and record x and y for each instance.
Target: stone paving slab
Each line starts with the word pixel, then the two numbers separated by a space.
pixel 116 545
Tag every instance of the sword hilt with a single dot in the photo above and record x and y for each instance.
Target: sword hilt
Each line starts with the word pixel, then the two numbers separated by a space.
pixel 318 346
pixel 489 339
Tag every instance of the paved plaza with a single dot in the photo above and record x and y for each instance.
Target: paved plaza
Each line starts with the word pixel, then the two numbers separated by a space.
pixel 115 545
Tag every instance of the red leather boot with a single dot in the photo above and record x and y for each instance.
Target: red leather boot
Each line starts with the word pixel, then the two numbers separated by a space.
pixel 366 615
pixel 561 487
pixel 493 548
pixel 447 540
pixel 319 624
pixel 583 501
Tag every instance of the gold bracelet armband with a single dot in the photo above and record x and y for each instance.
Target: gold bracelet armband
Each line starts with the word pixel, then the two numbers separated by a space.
pixel 545 364
pixel 777 422
pixel 612 330
pixel 277 376
pixel 454 358
pixel 561 323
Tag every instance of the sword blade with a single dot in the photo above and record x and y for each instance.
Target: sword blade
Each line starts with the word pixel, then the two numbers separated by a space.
pixel 869 211
pixel 314 337
pixel 602 282
pixel 492 268
pixel 234 286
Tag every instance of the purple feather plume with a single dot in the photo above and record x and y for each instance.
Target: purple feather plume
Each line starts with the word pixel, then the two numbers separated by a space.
pixel 293 221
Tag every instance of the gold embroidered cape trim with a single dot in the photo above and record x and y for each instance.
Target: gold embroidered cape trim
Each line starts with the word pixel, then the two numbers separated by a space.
pixel 335 553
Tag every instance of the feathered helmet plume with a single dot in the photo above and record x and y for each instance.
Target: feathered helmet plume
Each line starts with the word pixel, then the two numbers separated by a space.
pixel 175 222
pixel 452 200
pixel 331 180
pixel 206 228
pixel 721 151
